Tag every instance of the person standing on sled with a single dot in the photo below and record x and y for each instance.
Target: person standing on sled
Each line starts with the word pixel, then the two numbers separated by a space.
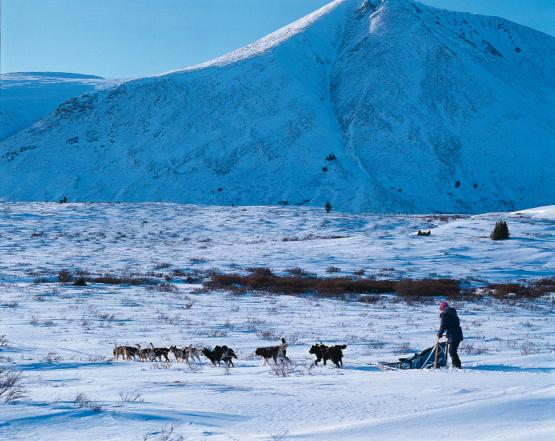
pixel 450 324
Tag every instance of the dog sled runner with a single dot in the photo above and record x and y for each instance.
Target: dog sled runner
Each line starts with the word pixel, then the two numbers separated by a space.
pixel 436 356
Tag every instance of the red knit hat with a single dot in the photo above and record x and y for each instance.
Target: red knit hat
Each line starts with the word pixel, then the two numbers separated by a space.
pixel 443 305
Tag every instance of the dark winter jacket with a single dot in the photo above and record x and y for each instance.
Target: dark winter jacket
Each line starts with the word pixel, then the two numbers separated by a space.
pixel 450 324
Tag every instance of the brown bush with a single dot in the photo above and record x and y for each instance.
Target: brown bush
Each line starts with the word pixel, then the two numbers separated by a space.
pixel 82 278
pixel 262 279
pixel 108 279
pixel 532 290
pixel 369 299
pixel 64 276
pixel 298 282
pixel 545 286
pixel 428 288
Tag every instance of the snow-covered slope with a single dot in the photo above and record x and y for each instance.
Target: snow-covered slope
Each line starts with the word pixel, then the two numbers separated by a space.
pixel 26 97
pixel 385 106
pixel 60 336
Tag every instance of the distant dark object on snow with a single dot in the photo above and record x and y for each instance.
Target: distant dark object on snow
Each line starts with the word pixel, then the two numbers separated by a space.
pixel 327 207
pixel 500 231
pixel 80 282
pixel 424 233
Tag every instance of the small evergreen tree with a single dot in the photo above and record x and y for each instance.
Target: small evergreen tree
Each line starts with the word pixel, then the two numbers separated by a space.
pixel 80 282
pixel 500 231
pixel 327 207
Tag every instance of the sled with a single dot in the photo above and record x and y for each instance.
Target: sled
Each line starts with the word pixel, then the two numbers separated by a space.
pixel 424 360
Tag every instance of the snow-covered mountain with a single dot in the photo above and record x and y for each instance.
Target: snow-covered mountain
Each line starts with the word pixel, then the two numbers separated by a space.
pixel 372 105
pixel 26 97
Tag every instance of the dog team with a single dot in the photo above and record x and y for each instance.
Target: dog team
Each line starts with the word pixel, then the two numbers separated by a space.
pixel 225 354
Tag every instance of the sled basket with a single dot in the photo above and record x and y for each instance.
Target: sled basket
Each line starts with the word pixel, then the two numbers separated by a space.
pixel 423 360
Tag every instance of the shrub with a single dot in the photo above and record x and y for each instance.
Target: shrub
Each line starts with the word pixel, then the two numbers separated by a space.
pixel 163 287
pixel 267 335
pixel 279 436
pixel 53 357
pixel 10 385
pixel 283 368
pixel 109 279
pixel 533 290
pixel 80 282
pixel 298 282
pixel 331 157
pixel 163 435
pixel 500 231
pixel 296 271
pixel 131 397
pixel 64 276
pixel 327 207
pixel 82 401
pixel 428 288
pixel 369 299
pixel 262 279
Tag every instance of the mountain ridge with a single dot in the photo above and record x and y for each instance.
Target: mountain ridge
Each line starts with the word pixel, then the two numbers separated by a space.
pixel 26 97
pixel 340 106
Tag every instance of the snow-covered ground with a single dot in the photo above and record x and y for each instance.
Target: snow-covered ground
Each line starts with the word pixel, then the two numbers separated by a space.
pixel 39 239
pixel 61 336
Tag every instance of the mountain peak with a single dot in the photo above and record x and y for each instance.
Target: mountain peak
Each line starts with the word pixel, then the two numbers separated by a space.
pixel 387 106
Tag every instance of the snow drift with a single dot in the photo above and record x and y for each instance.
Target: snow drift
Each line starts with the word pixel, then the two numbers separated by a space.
pixel 388 106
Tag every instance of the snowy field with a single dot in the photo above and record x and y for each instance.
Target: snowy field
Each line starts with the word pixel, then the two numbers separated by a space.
pixel 61 336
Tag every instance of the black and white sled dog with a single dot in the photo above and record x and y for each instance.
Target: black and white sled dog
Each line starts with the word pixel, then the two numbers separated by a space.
pixel 268 353
pixel 160 352
pixel 276 353
pixel 187 353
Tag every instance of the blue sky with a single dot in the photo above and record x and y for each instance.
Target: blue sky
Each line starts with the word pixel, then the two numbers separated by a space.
pixel 125 38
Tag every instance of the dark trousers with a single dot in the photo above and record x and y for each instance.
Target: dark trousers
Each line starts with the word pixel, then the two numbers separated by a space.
pixel 453 347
